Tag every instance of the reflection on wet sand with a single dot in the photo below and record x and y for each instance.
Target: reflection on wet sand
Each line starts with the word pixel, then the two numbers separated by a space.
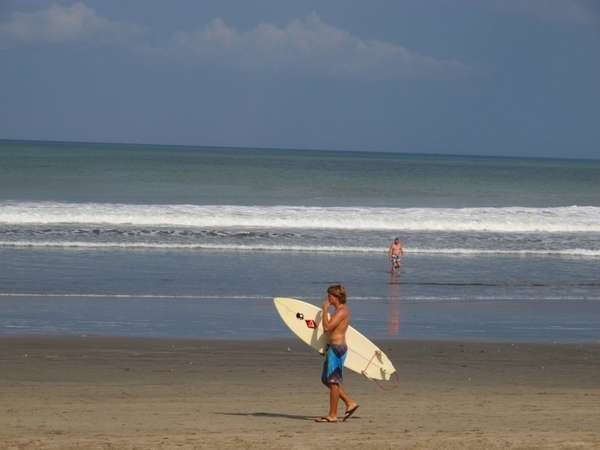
pixel 394 302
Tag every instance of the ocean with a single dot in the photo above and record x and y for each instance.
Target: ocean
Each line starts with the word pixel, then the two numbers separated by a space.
pixel 170 241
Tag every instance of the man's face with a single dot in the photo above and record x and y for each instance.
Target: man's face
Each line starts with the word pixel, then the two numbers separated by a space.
pixel 396 241
pixel 332 299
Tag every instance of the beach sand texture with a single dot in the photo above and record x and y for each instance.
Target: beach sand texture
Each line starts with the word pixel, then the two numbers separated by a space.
pixel 125 393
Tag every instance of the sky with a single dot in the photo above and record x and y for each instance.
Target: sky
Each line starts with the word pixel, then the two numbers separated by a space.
pixel 487 77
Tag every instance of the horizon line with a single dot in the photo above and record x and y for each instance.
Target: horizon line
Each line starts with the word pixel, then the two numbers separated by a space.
pixel 297 149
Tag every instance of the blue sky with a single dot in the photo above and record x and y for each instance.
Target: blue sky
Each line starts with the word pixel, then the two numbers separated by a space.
pixel 489 77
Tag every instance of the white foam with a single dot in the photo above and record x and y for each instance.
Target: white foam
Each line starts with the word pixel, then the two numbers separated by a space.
pixel 403 299
pixel 539 252
pixel 579 252
pixel 165 246
pixel 570 219
pixel 132 296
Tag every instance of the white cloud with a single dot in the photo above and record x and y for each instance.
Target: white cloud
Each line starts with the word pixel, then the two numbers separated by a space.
pixel 308 46
pixel 59 24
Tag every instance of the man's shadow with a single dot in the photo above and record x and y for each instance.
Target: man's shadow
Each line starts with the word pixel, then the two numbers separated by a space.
pixel 267 414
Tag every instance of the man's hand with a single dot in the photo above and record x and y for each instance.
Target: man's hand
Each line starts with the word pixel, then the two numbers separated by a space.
pixel 325 315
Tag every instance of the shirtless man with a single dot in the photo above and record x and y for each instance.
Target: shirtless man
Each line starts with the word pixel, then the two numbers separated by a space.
pixel 335 327
pixel 395 253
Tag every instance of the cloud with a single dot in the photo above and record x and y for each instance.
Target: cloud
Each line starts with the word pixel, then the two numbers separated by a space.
pixel 60 24
pixel 307 46
pixel 579 12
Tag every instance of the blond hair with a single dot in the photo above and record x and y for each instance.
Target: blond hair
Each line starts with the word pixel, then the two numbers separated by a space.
pixel 338 291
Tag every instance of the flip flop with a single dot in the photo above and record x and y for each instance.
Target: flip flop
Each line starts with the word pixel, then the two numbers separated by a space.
pixel 349 413
pixel 325 420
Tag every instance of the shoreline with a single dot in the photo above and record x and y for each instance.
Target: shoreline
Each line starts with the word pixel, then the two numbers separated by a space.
pixel 69 392
pixel 379 341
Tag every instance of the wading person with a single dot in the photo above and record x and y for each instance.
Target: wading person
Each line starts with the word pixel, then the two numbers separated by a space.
pixel 335 327
pixel 395 253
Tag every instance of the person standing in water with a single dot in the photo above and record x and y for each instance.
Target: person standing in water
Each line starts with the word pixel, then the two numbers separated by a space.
pixel 335 327
pixel 395 253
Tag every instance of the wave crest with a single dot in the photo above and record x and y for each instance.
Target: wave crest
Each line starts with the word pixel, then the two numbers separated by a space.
pixel 571 219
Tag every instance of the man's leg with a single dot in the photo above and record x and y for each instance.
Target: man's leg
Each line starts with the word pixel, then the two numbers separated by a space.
pixel 334 396
pixel 346 398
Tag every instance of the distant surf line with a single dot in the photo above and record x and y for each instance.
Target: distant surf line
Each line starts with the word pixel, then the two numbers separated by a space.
pixel 134 296
pixel 401 299
pixel 83 245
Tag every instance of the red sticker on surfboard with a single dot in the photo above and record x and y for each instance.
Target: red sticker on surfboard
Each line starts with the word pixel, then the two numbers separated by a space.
pixel 311 324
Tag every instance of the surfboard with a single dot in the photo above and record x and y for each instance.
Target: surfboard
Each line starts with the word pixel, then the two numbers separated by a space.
pixel 364 357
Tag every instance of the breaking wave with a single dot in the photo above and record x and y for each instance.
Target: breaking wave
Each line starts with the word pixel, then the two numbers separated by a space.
pixel 571 219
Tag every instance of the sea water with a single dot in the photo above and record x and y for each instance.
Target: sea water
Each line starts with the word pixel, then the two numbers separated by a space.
pixel 112 239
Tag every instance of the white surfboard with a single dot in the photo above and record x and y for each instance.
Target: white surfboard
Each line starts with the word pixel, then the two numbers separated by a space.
pixel 364 357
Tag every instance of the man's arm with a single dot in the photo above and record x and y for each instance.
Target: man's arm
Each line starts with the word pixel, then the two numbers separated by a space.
pixel 331 323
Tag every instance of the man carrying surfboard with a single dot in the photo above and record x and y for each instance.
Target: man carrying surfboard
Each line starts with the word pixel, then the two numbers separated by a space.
pixel 335 327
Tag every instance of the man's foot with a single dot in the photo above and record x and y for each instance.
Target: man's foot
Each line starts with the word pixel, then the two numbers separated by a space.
pixel 326 420
pixel 350 411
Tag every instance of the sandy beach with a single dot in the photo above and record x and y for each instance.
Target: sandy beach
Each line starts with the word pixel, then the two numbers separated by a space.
pixel 125 393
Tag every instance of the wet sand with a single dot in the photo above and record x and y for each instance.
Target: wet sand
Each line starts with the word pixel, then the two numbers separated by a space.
pixel 124 393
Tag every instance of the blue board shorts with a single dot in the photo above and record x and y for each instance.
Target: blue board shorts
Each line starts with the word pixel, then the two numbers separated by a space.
pixel 334 363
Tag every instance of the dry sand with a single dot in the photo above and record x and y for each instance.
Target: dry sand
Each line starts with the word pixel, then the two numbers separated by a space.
pixel 123 393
